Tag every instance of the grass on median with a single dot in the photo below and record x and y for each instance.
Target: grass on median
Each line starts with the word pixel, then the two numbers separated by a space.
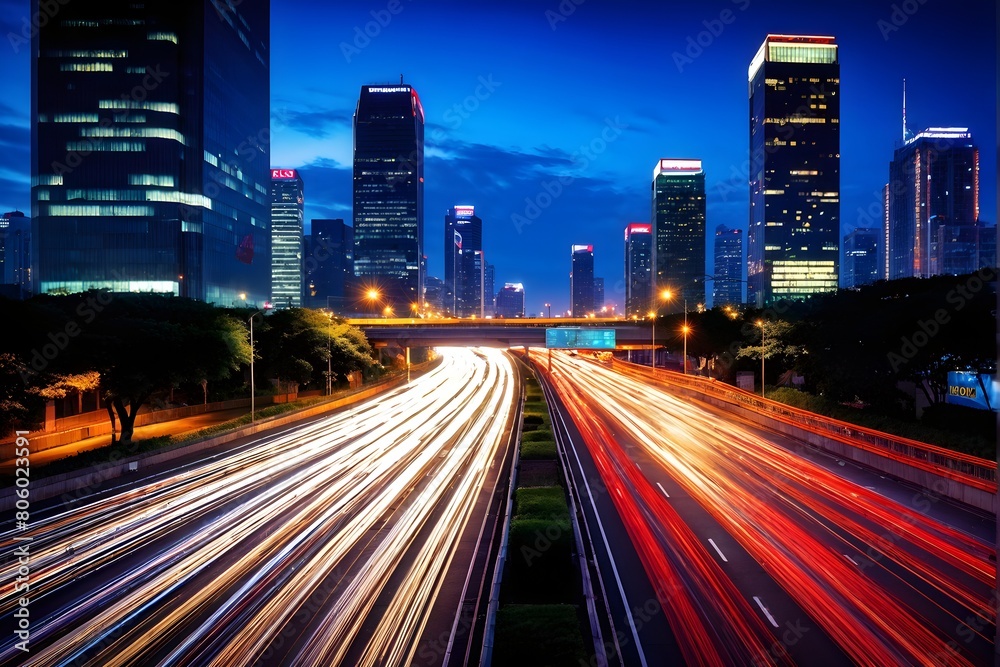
pixel 538 450
pixel 538 634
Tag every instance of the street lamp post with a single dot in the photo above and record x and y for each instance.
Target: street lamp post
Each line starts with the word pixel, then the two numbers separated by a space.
pixel 329 354
pixel 652 342
pixel 665 295
pixel 685 332
pixel 549 307
pixel 761 324
pixel 252 387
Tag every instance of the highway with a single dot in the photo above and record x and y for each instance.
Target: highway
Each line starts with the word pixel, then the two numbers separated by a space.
pixel 325 544
pixel 719 543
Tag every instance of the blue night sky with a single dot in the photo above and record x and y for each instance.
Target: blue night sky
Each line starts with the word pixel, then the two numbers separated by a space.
pixel 517 94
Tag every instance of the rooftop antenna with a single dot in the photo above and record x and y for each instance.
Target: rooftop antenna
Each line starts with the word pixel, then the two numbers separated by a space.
pixel 401 83
pixel 905 131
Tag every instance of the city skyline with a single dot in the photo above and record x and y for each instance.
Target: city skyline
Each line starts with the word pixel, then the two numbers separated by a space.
pixel 503 125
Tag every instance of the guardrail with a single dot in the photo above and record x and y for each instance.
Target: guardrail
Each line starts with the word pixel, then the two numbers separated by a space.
pixel 966 469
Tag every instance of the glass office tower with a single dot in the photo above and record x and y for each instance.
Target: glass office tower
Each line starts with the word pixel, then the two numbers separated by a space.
pixel 638 268
pixel 463 237
pixel 582 280
pixel 389 197
pixel 678 219
pixel 287 213
pixel 150 149
pixel 933 183
pixel 727 288
pixel 793 247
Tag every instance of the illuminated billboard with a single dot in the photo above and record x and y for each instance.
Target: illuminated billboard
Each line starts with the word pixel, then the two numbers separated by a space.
pixel 282 173
pixel 973 390
pixel 579 338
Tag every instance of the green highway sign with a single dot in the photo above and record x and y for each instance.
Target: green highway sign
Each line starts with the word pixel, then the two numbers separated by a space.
pixel 579 338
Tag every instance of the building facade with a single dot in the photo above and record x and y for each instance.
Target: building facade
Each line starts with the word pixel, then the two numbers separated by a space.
pixel 150 159
pixel 489 289
pixel 389 195
pixel 582 280
pixel 678 219
pixel 328 266
pixel 963 249
pixel 793 244
pixel 933 183
pixel 727 286
pixel 861 257
pixel 463 246
pixel 15 255
pixel 598 294
pixel 287 227
pixel 510 300
pixel 638 268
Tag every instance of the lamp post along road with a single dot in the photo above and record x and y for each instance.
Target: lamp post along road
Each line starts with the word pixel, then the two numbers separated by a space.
pixel 252 387
pixel 329 354
pixel 685 336
pixel 665 295
pixel 761 323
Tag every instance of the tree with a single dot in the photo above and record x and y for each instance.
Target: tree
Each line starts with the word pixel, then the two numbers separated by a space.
pixel 295 345
pixel 775 345
pixel 142 343
pixel 15 400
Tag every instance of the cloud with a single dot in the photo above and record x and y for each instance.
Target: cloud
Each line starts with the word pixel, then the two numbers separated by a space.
pixel 318 123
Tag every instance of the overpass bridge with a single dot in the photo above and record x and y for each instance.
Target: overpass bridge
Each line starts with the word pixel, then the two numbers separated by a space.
pixel 417 332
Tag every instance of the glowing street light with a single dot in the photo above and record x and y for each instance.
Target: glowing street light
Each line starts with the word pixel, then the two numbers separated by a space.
pixel 665 295
pixel 685 329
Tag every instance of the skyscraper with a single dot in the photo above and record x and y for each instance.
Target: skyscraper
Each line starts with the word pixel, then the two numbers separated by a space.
pixel 287 213
pixel 463 237
pixel 328 266
pixel 389 194
pixel 965 249
pixel 933 183
pixel 582 280
pixel 15 255
pixel 150 149
pixel 469 280
pixel 793 245
pixel 727 288
pixel 598 294
pixel 638 268
pixel 510 300
pixel 678 219
pixel 861 259
pixel 489 289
